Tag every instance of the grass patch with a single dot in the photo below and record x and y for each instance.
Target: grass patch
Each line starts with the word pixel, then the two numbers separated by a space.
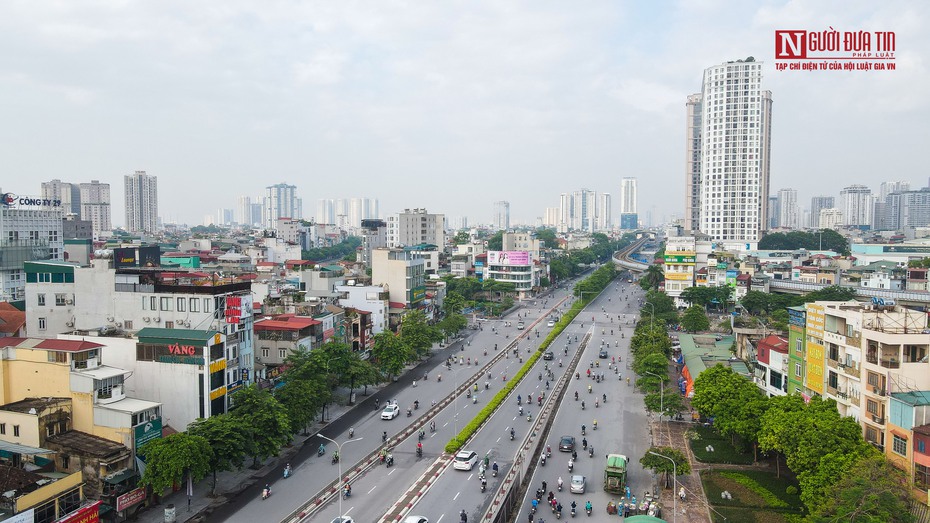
pixel 757 496
pixel 724 452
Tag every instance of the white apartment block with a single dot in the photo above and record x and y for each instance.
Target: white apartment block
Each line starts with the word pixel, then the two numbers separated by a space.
pixel 856 203
pixel 141 193
pixel 416 226
pixel 95 207
pixel 735 149
pixel 402 273
pixel 368 298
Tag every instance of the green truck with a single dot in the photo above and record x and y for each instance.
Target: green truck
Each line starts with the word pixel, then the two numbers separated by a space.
pixel 615 473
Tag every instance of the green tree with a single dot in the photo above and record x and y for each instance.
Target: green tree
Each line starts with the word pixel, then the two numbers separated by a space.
pixel 266 419
pixel 652 277
pixel 302 399
pixel 168 460
pixel 227 437
pixel 872 490
pixel 756 302
pixel 461 238
pixel 496 242
pixel 452 324
pixel 695 319
pixel 653 363
pixel 548 238
pixel 360 373
pixel 668 403
pixel 453 303
pixel 417 333
pixel 390 353
pixel 658 464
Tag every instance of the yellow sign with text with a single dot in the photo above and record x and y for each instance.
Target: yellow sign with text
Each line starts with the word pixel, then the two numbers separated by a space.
pixel 814 359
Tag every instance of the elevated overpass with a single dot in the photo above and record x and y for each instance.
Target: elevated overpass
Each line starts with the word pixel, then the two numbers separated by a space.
pixel 622 258
pixel 914 298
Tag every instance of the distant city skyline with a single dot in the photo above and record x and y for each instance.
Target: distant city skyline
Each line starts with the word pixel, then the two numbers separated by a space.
pixel 515 103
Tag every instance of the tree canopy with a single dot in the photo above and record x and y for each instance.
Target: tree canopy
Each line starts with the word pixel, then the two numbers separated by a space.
pixel 695 319
pixel 824 239
pixel 169 459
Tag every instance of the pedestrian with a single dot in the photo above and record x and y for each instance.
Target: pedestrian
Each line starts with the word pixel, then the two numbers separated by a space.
pixel 681 493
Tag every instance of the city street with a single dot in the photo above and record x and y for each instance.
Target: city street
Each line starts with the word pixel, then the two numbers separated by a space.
pixel 622 422
pixel 312 473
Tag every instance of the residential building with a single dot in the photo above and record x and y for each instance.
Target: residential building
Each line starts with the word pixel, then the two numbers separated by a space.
pixel 42 499
pixel 403 274
pixel 907 209
pixel 679 266
pixel 628 196
pixel 774 212
pixel 771 372
pixel 788 212
pixel 416 226
pixel 95 206
pixel 74 228
pixel 359 209
pixel 374 300
pixel 797 335
pixel 522 241
pixel 516 267
pixel 326 211
pixel 243 214
pixel 374 236
pixel 28 231
pixel 278 337
pixel 141 196
pixel 501 218
pixel 818 203
pixel 908 417
pixel 280 201
pixel 735 149
pixel 69 194
pixel 129 291
pixel 856 204
pixel 693 168
pixel 463 263
pixel 12 321
pixel 887 188
pixel 604 219
pixel 551 217
pixel 830 218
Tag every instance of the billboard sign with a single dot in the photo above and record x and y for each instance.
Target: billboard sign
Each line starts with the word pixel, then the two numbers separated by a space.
pixel 147 432
pixel 133 497
pixel 676 258
pixel 509 258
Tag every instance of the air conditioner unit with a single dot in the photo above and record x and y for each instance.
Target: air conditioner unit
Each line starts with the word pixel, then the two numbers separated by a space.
pixel 157 319
pixel 69 324
pixel 119 324
pixel 110 319
pixel 874 390
pixel 180 322
pixel 146 319
pixel 69 301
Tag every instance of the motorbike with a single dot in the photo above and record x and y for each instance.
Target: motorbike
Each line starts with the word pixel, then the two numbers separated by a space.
pixel 571 465
pixel 409 413
pixel 266 493
pixel 588 510
pixel 542 461
pixel 474 399
pixel 582 405
pixel 484 484
pixel 419 452
pixel 511 435
pixel 591 451
pixel 573 511
pixel 390 461
pixel 421 435
pixel 320 451
pixel 416 404
pixel 287 472
pixel 560 486
pixel 346 493
pixel 335 458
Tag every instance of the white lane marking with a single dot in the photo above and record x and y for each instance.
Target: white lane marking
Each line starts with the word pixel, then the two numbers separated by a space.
pixel 498 440
pixel 391 472
pixel 372 489
pixel 456 496
pixel 440 518
pixel 470 476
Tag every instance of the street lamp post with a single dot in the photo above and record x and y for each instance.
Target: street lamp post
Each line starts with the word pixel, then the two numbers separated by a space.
pixel 652 317
pixel 674 484
pixel 455 400
pixel 661 392
pixel 339 463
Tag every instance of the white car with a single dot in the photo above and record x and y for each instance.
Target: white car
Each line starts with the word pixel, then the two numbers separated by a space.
pixel 465 460
pixel 550 324
pixel 578 484
pixel 343 519
pixel 390 412
pixel 415 519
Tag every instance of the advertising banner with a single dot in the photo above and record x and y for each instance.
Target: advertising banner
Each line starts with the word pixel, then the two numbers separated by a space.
pixel 509 258
pixel 133 497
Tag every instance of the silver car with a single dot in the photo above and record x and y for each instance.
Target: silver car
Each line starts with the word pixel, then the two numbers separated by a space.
pixel 578 484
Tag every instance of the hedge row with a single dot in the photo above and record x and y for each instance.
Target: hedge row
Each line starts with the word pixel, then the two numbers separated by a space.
pixel 459 440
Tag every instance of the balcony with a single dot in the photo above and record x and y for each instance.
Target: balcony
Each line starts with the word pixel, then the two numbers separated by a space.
pixel 890 363
pixel 851 370
pixel 878 391
pixel 878 419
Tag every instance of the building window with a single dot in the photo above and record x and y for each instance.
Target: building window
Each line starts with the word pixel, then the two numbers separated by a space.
pixel 282 353
pixel 921 446
pixel 208 305
pixel 166 304
pixel 899 445
pixel 832 379
pixel 871 407
pixel 127 324
pixel 266 352
pixel 153 303
pixel 15 431
pixel 2 428
pixel 169 324
pixel 181 304
pixel 40 300
pixel 799 345
pixel 921 475
pixel 65 461
pixel 59 300
pixel 194 305
pixel 42 324
pixel 797 370
pixel 57 357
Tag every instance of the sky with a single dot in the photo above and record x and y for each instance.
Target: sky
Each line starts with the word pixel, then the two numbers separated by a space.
pixel 447 105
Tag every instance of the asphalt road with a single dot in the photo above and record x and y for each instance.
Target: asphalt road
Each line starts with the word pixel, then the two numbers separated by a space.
pixel 622 421
pixel 312 473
